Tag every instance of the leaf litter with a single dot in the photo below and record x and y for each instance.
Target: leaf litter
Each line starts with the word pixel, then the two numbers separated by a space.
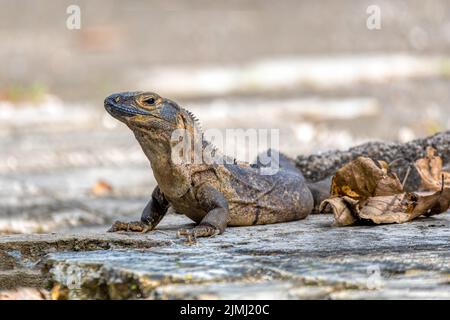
pixel 366 191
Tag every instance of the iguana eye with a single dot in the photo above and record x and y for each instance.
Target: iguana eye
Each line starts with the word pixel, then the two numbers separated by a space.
pixel 150 100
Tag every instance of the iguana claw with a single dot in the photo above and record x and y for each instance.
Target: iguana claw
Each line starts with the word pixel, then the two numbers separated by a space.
pixel 197 232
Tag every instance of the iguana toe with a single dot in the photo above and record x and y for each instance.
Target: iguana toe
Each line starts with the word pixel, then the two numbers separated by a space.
pixel 198 231
pixel 134 226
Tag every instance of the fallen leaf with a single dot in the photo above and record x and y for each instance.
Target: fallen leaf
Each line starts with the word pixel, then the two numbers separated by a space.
pixel 363 178
pixel 397 208
pixel 342 208
pixel 430 171
pixel 101 188
pixel 59 292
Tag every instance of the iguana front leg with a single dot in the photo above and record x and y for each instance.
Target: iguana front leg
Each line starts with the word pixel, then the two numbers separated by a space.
pixel 153 212
pixel 216 220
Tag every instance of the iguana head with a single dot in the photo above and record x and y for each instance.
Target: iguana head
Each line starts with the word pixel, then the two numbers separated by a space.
pixel 148 112
pixel 153 119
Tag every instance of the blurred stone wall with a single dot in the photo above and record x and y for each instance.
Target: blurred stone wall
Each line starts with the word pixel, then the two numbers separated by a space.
pixel 117 37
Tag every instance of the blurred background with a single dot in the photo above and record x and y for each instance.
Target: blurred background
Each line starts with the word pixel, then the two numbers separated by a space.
pixel 313 69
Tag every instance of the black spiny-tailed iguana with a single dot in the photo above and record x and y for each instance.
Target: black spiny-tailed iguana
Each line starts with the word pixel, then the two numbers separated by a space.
pixel 213 195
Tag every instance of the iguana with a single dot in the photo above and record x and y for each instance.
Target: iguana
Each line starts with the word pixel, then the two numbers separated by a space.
pixel 214 195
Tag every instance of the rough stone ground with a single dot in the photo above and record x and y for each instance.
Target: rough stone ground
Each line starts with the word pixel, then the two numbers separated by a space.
pixel 303 259
pixel 400 156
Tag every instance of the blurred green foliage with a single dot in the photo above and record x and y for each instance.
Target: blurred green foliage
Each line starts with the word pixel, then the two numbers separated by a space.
pixel 19 93
pixel 445 68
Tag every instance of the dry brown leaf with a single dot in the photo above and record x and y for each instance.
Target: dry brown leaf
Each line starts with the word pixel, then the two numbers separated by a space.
pixel 398 208
pixel 101 188
pixel 430 171
pixel 342 208
pixel 362 178
pixel 59 292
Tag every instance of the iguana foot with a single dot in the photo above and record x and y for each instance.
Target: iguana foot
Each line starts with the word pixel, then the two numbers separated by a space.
pixel 197 232
pixel 134 226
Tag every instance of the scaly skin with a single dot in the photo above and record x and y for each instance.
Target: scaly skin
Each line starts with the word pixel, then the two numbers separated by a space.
pixel 213 195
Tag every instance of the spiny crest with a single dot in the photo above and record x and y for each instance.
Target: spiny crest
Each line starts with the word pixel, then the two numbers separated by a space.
pixel 197 125
pixel 194 119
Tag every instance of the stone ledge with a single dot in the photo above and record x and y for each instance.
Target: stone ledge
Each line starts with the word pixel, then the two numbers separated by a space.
pixel 369 261
pixel 308 257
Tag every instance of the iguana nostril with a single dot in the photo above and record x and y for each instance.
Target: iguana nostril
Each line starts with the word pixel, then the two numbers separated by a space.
pixel 109 100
